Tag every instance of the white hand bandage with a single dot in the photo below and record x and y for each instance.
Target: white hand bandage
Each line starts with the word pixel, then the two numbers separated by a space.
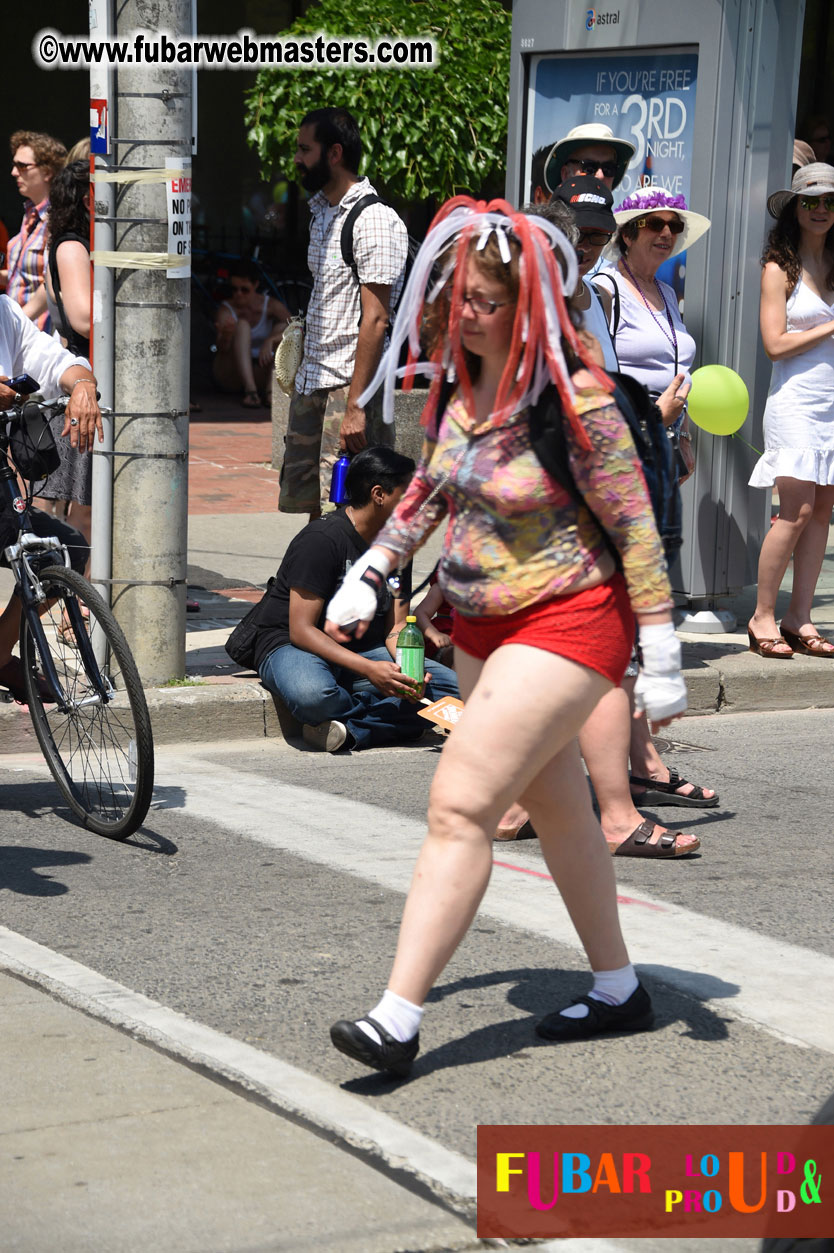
pixel 357 599
pixel 660 689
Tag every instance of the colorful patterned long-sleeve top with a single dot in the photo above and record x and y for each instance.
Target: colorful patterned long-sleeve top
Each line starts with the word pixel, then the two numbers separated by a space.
pixel 515 537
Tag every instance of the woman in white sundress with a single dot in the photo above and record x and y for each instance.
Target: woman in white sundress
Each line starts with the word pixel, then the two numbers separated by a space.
pixel 797 326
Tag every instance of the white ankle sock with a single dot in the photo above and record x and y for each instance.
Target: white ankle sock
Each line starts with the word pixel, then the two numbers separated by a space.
pixel 611 986
pixel 399 1017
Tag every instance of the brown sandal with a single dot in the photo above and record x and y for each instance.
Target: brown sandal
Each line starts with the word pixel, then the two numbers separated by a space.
pixel 522 832
pixel 811 645
pixel 767 648
pixel 637 844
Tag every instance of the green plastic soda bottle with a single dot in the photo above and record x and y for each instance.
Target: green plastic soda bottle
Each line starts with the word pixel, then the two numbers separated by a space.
pixel 411 651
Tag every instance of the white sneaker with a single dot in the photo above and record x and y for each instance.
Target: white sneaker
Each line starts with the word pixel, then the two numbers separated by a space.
pixel 328 737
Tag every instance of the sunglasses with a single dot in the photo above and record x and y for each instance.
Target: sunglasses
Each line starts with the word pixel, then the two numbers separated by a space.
pixel 606 168
pixel 484 307
pixel 657 224
pixel 813 202
pixel 595 238
pixel 23 166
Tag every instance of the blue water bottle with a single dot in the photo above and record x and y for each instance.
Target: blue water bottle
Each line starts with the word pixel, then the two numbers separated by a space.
pixel 338 495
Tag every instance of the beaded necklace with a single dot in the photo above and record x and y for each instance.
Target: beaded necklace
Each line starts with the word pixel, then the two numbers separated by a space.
pixel 673 339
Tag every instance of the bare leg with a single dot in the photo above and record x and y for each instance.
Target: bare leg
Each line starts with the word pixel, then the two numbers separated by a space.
pixel 646 761
pixel 9 629
pixel 496 753
pixel 577 856
pixel 604 741
pixel 796 507
pixel 232 369
pixel 242 351
pixel 807 562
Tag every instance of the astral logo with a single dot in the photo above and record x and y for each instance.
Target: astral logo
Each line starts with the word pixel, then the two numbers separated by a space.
pixel 592 19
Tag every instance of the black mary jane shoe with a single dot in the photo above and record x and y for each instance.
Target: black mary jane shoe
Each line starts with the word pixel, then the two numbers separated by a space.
pixel 635 1014
pixel 394 1055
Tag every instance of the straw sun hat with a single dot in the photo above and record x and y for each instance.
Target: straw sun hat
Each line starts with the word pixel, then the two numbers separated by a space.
pixel 640 204
pixel 816 179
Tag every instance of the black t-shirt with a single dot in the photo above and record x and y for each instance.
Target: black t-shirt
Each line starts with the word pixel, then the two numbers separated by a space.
pixel 317 560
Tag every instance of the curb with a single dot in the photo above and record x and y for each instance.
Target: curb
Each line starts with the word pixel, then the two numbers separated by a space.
pixel 717 681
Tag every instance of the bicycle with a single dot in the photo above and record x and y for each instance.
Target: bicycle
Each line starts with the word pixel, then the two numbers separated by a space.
pixel 82 686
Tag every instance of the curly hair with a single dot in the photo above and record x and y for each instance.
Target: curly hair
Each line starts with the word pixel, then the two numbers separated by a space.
pixel 68 215
pixel 49 152
pixel 783 247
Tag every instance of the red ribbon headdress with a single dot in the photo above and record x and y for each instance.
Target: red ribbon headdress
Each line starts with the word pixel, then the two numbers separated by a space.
pixel 541 318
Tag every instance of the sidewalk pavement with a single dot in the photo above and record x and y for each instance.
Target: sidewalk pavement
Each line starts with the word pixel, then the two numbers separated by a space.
pixel 107 1143
pixel 236 539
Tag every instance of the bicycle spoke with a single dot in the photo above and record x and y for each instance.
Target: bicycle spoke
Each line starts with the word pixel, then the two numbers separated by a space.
pixel 99 748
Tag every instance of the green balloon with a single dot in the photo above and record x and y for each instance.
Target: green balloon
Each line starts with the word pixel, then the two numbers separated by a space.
pixel 719 400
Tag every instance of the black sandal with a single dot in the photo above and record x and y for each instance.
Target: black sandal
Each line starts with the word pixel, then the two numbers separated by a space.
pixel 667 793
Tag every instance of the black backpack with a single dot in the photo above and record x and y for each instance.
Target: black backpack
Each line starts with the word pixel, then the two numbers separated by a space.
pixel 348 227
pixel 650 439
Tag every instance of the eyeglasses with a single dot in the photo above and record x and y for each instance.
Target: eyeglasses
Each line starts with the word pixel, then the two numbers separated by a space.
pixel 485 307
pixel 23 166
pixel 813 202
pixel 607 169
pixel 657 224
pixel 595 238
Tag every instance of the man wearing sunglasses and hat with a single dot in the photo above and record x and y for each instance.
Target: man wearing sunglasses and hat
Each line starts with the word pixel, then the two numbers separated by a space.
pixel 593 150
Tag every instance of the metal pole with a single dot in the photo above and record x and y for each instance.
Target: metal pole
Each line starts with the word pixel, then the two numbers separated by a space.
pixel 102 209
pixel 150 500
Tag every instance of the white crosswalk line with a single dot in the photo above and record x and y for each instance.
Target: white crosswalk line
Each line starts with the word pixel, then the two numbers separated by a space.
pixel 761 980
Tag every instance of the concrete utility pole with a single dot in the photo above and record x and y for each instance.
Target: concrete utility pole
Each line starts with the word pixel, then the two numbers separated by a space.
pixel 151 360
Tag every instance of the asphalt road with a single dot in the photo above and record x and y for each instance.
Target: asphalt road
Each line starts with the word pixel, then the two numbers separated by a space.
pixel 263 897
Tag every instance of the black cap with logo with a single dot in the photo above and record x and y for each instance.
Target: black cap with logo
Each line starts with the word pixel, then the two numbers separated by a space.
pixel 590 200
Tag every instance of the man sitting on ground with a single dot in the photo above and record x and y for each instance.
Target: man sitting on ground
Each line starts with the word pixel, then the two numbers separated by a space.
pixel 347 695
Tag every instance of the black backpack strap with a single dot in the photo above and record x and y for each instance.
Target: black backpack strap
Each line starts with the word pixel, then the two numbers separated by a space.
pixel 615 297
pixel 348 227
pixel 547 437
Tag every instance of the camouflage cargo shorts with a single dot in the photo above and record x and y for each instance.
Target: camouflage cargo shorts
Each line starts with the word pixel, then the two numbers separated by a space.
pixel 311 446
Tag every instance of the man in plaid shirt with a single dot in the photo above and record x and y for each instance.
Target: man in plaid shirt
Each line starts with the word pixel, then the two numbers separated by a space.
pixel 346 320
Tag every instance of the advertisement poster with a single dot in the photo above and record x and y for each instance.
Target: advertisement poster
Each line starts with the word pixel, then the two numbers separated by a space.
pixel 647 98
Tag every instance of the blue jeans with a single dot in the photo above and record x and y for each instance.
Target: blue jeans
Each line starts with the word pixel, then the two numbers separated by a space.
pixel 315 691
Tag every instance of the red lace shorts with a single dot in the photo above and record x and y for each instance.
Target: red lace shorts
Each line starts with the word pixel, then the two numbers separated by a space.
pixel 594 627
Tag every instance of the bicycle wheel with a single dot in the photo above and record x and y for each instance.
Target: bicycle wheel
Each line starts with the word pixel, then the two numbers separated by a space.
pixel 99 747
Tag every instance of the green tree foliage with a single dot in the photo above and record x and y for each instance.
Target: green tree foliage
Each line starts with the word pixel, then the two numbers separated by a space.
pixel 426 133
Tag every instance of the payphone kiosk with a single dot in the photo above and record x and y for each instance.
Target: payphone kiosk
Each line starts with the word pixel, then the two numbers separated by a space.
pixel 706 92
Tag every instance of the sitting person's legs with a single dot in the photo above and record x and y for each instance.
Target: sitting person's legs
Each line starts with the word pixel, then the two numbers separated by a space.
pixel 316 692
pixel 312 690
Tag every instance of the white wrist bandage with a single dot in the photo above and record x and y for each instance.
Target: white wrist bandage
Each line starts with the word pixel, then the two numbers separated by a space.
pixel 358 598
pixel 660 689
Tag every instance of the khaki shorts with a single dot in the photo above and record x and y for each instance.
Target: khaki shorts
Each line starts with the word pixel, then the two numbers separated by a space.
pixel 311 446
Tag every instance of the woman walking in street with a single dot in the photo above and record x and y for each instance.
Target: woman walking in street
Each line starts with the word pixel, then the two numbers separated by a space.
pixel 543 622
pixel 797 325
